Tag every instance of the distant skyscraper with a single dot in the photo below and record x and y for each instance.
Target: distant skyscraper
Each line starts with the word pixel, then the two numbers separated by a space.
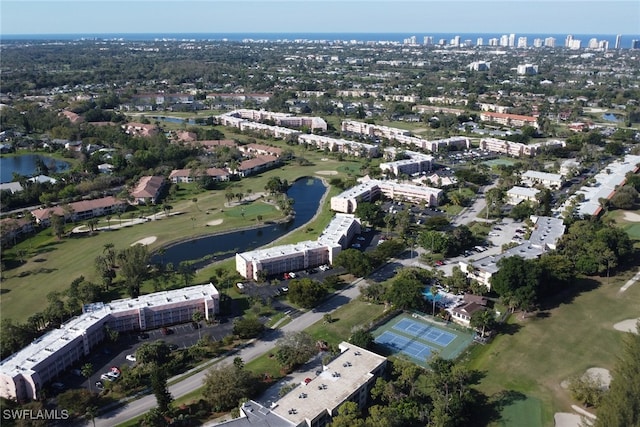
pixel 504 40
pixel 427 40
pixel 512 40
pixel 568 40
pixel 537 42
pixel 618 41
pixel 456 41
pixel 635 44
pixel 550 42
pixel 493 42
pixel 593 43
pixel 479 41
pixel 522 42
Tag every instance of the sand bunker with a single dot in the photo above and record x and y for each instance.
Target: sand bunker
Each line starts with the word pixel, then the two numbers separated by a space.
pixel 632 216
pixel 628 325
pixel 565 419
pixel 146 241
pixel 327 173
pixel 215 222
pixel 602 373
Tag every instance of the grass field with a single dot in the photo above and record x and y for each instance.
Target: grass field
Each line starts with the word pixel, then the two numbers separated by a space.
pixel 533 356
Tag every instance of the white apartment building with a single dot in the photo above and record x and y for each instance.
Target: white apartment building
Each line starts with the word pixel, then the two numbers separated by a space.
pixel 527 69
pixel 544 237
pixel 517 149
pixel 552 181
pixel 370 189
pixel 349 377
pixel 23 374
pixel 416 163
pixel 300 256
pixel 517 195
pixel 354 148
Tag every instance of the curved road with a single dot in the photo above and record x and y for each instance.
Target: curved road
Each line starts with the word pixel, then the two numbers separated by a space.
pixel 248 353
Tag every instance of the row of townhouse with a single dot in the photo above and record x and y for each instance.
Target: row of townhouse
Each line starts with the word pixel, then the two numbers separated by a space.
pixel 552 181
pixel 517 149
pixel 178 176
pixel 24 374
pixel 371 189
pixel 82 210
pixel 299 256
pixel 348 377
pixel 148 190
pixel 544 237
pixel 517 195
pixel 607 181
pixel 354 148
pixel 258 98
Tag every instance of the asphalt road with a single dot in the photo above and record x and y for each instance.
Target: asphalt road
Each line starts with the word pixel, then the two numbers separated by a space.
pixel 248 353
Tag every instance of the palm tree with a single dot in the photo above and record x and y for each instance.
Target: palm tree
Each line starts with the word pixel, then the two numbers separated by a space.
pixel 434 293
pixel 197 318
pixel 108 219
pixel 87 371
pixel 195 202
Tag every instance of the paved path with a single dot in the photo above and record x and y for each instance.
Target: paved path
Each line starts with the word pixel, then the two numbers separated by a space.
pixel 248 353
pixel 630 282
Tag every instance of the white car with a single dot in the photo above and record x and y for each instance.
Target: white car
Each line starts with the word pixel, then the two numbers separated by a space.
pixel 356 245
pixel 106 377
pixel 292 275
pixel 131 357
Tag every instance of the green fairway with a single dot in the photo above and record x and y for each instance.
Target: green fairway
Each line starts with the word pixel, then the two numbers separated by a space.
pixel 526 412
pixel 633 230
pixel 533 356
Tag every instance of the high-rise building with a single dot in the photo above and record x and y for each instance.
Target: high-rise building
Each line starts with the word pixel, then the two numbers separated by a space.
pixel 427 40
pixel 618 41
pixel 456 41
pixel 575 44
pixel 479 41
pixel 504 40
pixel 593 43
pixel 635 44
pixel 493 42
pixel 550 42
pixel 568 40
pixel 512 40
pixel 537 43
pixel 522 42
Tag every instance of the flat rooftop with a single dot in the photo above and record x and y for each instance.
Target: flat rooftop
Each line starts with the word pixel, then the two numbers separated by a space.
pixel 326 391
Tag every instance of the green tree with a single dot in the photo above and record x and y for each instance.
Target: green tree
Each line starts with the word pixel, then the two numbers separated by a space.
pixel 368 212
pixel 247 327
pixel 295 349
pixel 225 387
pixel 134 262
pixel 517 281
pixel 197 317
pixel 620 406
pixel 57 225
pixel 362 338
pixel 354 261
pixel 161 391
pixel 483 320
pixel 155 354
pixel 306 292
pixel 348 416
pixel 87 371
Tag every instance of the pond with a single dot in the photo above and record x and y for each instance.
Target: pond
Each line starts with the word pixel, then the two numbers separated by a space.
pixel 611 117
pixel 27 165
pixel 173 120
pixel 306 193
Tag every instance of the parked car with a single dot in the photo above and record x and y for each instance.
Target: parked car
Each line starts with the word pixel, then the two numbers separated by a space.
pixel 131 357
pixel 292 275
pixel 173 347
pixel 105 377
pixel 99 385
pixel 356 246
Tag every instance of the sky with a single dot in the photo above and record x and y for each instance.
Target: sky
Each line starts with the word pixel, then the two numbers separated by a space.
pixel 319 16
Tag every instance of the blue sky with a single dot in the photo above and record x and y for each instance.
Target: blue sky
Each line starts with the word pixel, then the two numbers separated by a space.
pixel 319 16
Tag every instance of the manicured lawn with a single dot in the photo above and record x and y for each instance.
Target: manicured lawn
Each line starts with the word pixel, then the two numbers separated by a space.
pixel 633 230
pixel 345 319
pixel 535 355
pixel 526 412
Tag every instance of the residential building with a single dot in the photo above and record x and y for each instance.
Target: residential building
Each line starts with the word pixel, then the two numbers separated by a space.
pixel 607 181
pixel 260 149
pixel 140 129
pixel 370 189
pixel 479 66
pixel 527 69
pixel 256 165
pixel 148 190
pixel 354 148
pixel 513 120
pixel 80 211
pixel 13 229
pixel 544 237
pixel 470 304
pixel 517 195
pixel 299 256
pixel 415 164
pixel 25 373
pixel 551 181
pixel 13 187
pixel 517 149
pixel 349 377
pixel 190 175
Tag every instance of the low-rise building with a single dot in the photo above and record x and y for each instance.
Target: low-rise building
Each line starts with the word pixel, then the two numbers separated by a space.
pixel 148 190
pixel 517 195
pixel 190 175
pixel 299 256
pixel 256 165
pixel 552 181
pixel 80 211
pixel 358 149
pixel 25 373
pixel 349 377
pixel 544 237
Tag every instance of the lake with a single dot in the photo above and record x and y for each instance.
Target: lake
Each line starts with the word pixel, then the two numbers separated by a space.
pixel 26 165
pixel 306 193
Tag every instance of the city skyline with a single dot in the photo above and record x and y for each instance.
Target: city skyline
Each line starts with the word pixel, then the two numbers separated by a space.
pixel 33 17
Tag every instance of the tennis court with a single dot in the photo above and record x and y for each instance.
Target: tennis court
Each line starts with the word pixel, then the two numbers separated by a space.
pixel 427 332
pixel 405 345
pixel 419 337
